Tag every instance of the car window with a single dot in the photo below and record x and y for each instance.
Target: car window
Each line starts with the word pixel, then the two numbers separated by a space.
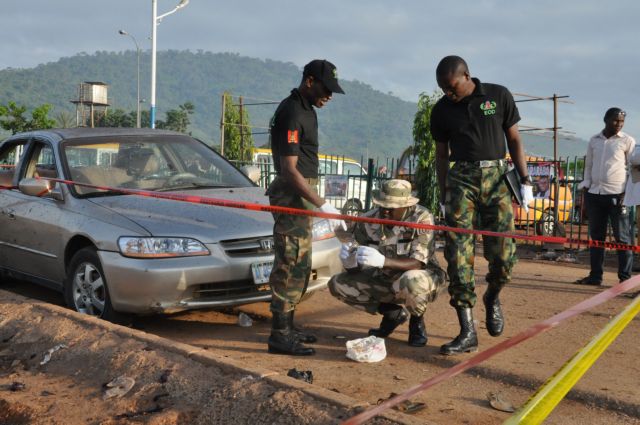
pixel 41 162
pixel 157 163
pixel 10 155
pixel 328 166
pixel 351 169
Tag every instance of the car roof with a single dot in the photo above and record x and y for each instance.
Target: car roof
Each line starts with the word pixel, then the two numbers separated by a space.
pixel 83 132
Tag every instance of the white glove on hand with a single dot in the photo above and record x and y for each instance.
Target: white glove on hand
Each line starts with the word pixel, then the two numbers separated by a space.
pixel 344 251
pixel 371 257
pixel 526 190
pixel 333 223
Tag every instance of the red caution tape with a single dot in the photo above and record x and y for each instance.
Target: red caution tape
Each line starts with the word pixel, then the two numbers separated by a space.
pixel 295 211
pixel 534 330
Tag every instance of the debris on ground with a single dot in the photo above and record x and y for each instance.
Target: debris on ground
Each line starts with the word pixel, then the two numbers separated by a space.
pixel 50 351
pixel 165 376
pixel 406 406
pixel 366 350
pixel 244 320
pixel 119 387
pixel 497 401
pixel 303 375
pixel 17 386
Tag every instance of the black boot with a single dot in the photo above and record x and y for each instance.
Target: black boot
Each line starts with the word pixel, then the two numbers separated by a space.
pixel 393 315
pixel 467 341
pixel 495 321
pixel 417 331
pixel 283 339
pixel 302 336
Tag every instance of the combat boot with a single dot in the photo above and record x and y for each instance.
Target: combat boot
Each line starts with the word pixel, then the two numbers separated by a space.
pixel 302 336
pixel 417 331
pixel 467 341
pixel 283 339
pixel 495 321
pixel 393 315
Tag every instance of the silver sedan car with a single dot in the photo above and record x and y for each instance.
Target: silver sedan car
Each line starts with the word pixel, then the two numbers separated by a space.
pixel 114 254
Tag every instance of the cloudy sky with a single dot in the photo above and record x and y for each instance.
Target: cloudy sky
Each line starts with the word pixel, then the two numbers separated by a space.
pixel 588 49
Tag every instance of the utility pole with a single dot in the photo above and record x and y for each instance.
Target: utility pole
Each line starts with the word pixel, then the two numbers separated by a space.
pixel 242 153
pixel 556 189
pixel 224 98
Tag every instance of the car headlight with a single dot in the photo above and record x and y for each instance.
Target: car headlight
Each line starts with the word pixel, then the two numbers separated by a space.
pixel 322 230
pixel 145 247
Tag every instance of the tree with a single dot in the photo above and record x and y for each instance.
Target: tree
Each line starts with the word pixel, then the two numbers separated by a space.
pixel 12 119
pixel 238 140
pixel 425 151
pixel 178 119
pixel 117 118
pixel 65 119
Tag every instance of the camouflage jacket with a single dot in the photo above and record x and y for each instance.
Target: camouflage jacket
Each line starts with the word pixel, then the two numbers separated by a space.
pixel 400 241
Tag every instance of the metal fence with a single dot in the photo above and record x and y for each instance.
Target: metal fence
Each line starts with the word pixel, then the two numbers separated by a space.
pixel 348 185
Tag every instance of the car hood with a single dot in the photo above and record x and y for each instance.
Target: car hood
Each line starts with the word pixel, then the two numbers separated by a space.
pixel 207 223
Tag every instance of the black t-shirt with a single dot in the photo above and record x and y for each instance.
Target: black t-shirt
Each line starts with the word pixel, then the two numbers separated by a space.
pixel 294 132
pixel 475 127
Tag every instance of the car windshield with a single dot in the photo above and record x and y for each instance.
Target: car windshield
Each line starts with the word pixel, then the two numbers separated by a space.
pixel 154 163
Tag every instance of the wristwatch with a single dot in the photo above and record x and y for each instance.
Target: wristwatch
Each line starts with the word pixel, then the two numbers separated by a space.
pixel 526 180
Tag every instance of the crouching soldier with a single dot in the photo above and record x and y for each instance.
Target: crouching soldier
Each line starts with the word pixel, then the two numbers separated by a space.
pixel 392 270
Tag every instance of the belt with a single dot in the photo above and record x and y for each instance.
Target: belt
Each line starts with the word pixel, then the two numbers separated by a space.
pixel 313 181
pixel 488 163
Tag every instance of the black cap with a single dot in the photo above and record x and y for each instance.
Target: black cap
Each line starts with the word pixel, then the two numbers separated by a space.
pixel 324 71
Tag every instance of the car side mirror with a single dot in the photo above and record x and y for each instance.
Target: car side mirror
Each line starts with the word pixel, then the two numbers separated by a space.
pixel 40 188
pixel 252 172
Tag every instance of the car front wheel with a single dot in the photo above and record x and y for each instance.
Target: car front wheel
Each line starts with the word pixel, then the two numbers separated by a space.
pixel 86 290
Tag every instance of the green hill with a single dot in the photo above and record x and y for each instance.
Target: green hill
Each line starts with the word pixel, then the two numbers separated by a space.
pixel 362 120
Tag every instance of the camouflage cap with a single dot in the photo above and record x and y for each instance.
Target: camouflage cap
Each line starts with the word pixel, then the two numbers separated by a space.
pixel 394 194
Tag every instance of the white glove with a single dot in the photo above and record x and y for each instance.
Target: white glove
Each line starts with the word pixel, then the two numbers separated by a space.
pixel 442 210
pixel 526 190
pixel 371 257
pixel 344 251
pixel 333 223
pixel 584 184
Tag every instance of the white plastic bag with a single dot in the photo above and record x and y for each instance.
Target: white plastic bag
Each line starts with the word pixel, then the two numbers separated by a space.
pixel 244 320
pixel 366 350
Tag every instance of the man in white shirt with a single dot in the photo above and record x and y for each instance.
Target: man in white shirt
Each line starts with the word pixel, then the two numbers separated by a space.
pixel 605 175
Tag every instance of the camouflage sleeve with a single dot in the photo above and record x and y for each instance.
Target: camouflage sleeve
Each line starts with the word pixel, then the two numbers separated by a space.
pixel 423 245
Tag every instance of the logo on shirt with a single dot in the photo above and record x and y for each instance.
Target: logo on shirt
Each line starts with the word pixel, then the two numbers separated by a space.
pixel 488 107
pixel 292 136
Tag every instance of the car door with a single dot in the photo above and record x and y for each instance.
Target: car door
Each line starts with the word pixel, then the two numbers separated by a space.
pixel 10 154
pixel 31 227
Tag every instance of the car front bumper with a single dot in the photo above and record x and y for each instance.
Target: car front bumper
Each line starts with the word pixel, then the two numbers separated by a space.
pixel 145 286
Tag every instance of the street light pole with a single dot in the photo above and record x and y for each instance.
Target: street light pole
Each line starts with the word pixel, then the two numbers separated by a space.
pixel 123 32
pixel 155 20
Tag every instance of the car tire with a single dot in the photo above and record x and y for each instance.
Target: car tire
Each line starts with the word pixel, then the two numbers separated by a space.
pixel 85 288
pixel 545 226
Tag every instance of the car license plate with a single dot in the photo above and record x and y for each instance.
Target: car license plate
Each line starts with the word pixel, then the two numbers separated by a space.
pixel 261 272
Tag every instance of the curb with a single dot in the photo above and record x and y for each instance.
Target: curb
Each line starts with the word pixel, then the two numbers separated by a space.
pixel 209 358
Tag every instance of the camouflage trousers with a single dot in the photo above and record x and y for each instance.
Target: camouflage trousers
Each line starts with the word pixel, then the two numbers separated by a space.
pixel 366 289
pixel 292 236
pixel 477 198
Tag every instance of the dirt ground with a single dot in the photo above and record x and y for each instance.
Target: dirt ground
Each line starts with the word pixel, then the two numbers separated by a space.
pixel 172 389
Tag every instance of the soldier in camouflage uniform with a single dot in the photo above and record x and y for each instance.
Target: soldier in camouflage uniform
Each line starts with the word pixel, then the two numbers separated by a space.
pixel 469 124
pixel 392 268
pixel 294 145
